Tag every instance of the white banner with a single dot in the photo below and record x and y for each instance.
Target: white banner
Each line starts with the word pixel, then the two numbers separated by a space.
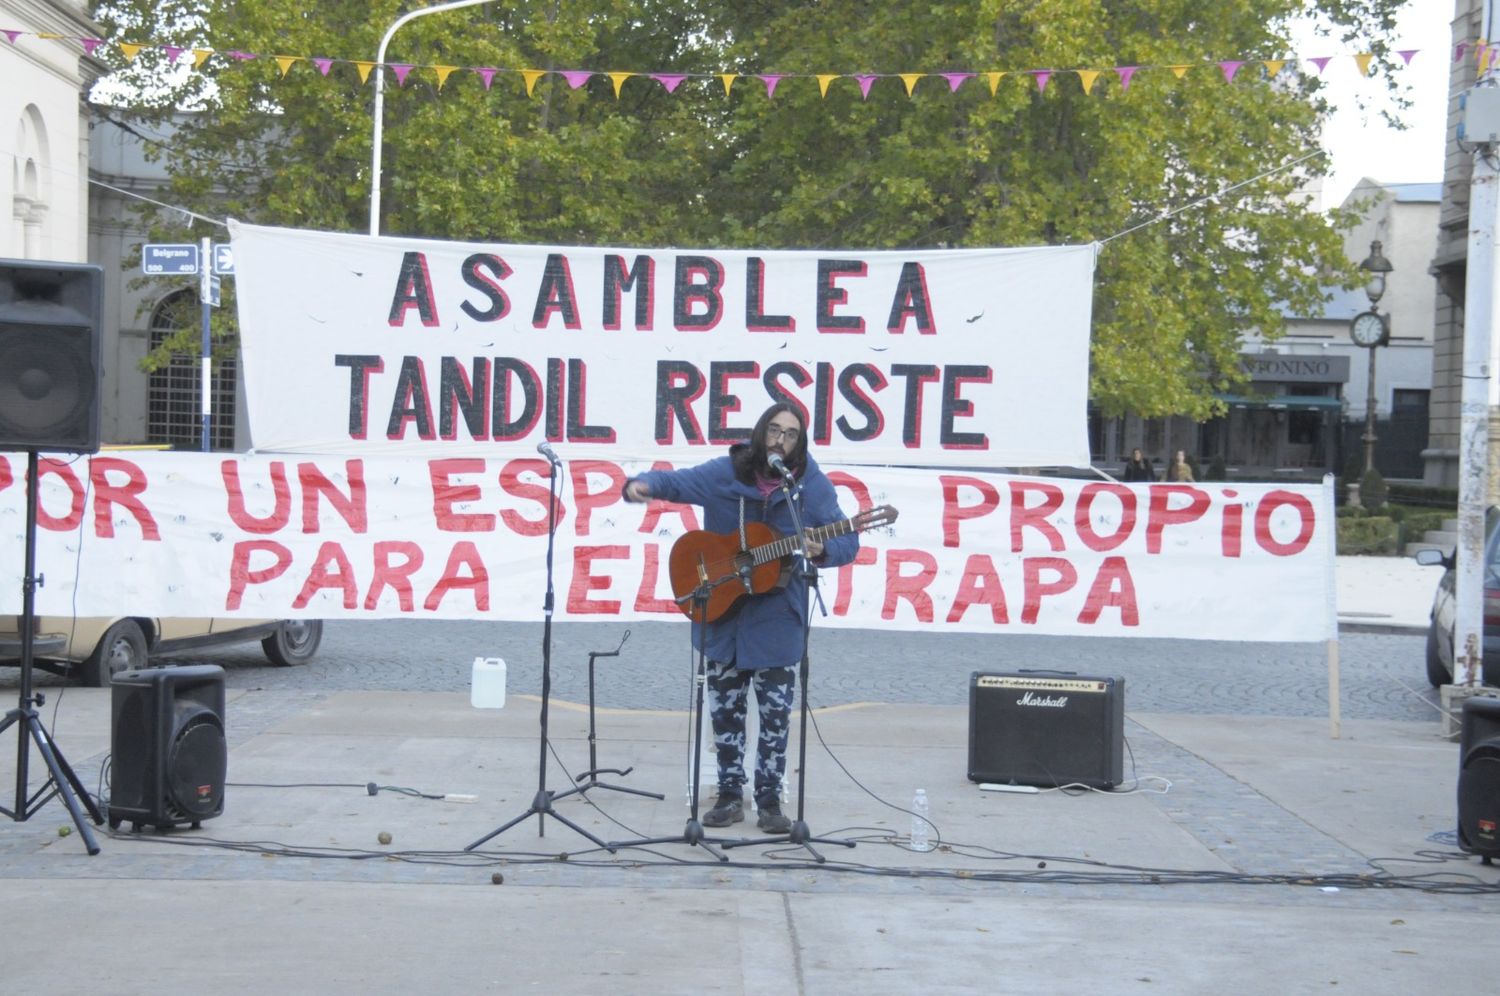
pixel 189 534
pixel 360 345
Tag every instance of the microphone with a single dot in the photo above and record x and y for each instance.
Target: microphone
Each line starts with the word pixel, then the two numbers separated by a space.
pixel 545 449
pixel 779 465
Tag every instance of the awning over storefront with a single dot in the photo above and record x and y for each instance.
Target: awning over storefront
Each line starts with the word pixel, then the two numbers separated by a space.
pixel 1283 402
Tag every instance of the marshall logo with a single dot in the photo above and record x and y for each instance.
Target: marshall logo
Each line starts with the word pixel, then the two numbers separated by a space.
pixel 1043 701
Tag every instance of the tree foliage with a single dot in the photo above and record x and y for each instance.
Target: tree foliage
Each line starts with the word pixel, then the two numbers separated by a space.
pixel 1173 295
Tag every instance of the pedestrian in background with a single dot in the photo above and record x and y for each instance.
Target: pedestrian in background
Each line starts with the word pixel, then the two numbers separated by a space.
pixel 1180 469
pixel 1138 468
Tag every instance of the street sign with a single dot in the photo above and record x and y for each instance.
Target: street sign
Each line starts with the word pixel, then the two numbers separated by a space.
pixel 169 260
pixel 215 289
pixel 224 259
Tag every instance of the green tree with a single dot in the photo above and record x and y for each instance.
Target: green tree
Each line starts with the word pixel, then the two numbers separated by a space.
pixel 1021 166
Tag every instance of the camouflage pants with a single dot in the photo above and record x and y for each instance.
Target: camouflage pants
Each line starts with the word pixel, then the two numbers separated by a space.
pixel 728 699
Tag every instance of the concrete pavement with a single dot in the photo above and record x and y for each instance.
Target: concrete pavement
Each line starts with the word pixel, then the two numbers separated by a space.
pixel 1256 854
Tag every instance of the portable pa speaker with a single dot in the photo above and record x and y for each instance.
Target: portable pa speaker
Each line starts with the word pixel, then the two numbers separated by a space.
pixel 1046 728
pixel 169 756
pixel 1479 778
pixel 50 355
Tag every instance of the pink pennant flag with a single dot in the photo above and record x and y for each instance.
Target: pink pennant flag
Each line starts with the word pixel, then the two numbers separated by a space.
pixel 172 52
pixel 487 74
pixel 323 65
pixel 668 80
pixel 865 82
pixel 1458 50
pixel 400 69
pixel 1321 61
pixel 770 82
pixel 239 56
pixel 1042 76
pixel 89 44
pixel 955 80
pixel 10 34
pixel 1406 54
pixel 576 77
pixel 1125 72
pixel 1230 68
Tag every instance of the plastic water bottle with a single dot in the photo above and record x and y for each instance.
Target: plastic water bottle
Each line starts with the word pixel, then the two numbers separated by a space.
pixel 920 841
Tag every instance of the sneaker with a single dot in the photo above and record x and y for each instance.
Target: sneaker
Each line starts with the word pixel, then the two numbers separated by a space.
pixel 728 809
pixel 771 820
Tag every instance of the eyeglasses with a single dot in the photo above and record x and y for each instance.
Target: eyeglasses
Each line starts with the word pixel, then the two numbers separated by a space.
pixel 775 432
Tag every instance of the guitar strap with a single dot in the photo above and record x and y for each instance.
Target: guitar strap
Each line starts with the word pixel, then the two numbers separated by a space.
pixel 744 540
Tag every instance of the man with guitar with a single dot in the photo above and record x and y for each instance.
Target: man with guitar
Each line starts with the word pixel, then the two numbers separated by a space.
pixel 756 637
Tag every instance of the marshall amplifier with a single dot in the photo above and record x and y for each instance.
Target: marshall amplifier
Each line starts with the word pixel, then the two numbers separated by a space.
pixel 1046 728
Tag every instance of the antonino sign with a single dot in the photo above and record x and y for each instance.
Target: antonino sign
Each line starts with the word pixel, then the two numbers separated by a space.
pixel 1293 369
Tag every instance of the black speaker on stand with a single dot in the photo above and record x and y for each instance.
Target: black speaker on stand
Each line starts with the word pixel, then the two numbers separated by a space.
pixel 1479 779
pixel 168 755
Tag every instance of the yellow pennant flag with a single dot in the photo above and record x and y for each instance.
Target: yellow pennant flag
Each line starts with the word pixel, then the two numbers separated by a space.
pixel 530 76
pixel 1179 71
pixel 910 79
pixel 200 56
pixel 286 62
pixel 1484 57
pixel 131 51
pixel 728 80
pixel 50 36
pixel 994 81
pixel 1363 62
pixel 443 72
pixel 364 70
pixel 618 79
pixel 1273 66
pixel 823 80
pixel 1087 77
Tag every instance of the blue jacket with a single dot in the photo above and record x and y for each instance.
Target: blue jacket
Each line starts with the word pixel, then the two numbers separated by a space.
pixel 761 630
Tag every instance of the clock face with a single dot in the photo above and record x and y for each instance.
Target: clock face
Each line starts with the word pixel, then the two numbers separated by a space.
pixel 1367 329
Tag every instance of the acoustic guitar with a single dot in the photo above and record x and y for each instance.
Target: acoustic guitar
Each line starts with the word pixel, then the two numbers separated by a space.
pixel 704 558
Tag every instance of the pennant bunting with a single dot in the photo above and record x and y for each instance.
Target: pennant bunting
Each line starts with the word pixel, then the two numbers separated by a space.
pixel 239 56
pixel 400 70
pixel 1087 78
pixel 576 77
pixel 770 82
pixel 1273 66
pixel 487 76
pixel 1229 69
pixel 728 80
pixel 1363 62
pixel 1125 73
pixel 1321 61
pixel 994 81
pixel 286 62
pixel 1406 54
pixel 49 36
pixel 323 65
pixel 11 35
pixel 89 44
pixel 130 51
pixel 956 80
pixel 1485 51
pixel 823 81
pixel 618 79
pixel 1042 76
pixel 669 80
pixel 529 77
pixel 172 52
pixel 1459 50
pixel 443 72
pixel 200 56
pixel 865 82
pixel 364 70
pixel 1179 71
pixel 910 79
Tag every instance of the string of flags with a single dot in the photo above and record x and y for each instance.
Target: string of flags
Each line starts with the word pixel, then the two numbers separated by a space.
pixel 1229 68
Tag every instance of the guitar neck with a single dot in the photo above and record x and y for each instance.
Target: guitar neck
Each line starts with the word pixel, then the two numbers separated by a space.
pixel 788 544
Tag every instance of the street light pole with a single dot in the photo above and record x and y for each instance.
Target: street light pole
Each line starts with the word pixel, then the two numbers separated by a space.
pixel 379 110
pixel 1372 330
pixel 1369 436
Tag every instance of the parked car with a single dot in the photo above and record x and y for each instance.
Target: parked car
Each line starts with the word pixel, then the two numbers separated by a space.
pixel 96 649
pixel 1445 609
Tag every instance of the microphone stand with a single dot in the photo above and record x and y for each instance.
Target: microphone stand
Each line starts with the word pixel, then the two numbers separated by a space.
pixel 541 803
pixel 800 834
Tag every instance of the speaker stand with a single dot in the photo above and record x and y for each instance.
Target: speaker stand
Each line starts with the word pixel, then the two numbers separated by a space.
pixel 61 780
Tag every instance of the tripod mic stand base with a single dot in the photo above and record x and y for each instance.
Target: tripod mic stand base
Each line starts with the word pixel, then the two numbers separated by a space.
pixel 692 835
pixel 799 836
pixel 541 807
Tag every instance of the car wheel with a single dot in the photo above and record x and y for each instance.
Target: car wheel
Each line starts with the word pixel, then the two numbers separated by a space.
pixel 294 642
pixel 122 648
pixel 1437 671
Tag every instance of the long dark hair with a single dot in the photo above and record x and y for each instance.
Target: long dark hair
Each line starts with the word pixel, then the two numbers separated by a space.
pixel 750 458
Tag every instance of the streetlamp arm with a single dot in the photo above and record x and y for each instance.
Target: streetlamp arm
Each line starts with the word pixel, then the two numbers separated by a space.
pixel 379 111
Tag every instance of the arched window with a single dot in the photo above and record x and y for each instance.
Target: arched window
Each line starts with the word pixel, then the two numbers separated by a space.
pixel 174 393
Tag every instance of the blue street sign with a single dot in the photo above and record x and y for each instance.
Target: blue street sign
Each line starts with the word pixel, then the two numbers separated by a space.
pixel 165 260
pixel 215 291
pixel 224 259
